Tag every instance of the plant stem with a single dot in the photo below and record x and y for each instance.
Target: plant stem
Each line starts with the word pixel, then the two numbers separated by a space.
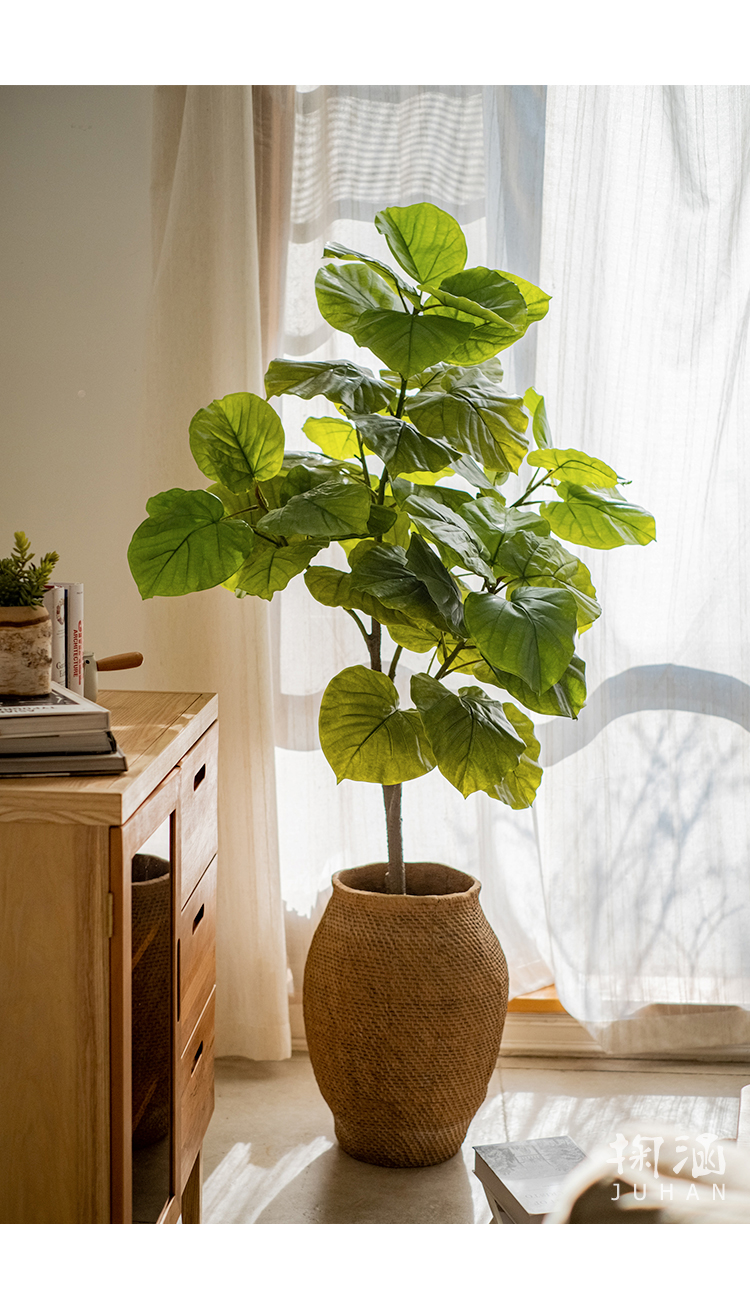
pixel 359 625
pixel 373 642
pixel 531 488
pixel 445 667
pixel 395 875
pixel 401 397
pixel 394 663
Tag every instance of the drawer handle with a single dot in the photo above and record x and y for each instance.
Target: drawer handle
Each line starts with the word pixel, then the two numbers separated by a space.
pixel 197 1057
pixel 199 917
pixel 198 780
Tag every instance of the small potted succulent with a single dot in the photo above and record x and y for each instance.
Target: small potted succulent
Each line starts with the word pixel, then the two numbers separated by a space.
pixel 406 985
pixel 25 627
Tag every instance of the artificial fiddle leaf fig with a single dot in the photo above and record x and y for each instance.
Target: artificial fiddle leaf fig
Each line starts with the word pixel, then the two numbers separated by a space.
pixel 531 636
pixel 493 302
pixel 346 384
pixel 473 742
pixel 401 446
pixel 566 697
pixel 574 467
pixel 383 572
pixel 335 587
pixel 593 520
pixel 525 560
pixel 481 421
pixel 407 292
pixel 519 786
pixel 493 523
pixel 269 568
pixel 427 242
pixel 535 405
pixel 186 545
pixel 537 301
pixel 331 510
pixel 345 292
pixel 364 735
pixel 454 538
pixel 335 437
pixel 237 441
pixel 439 582
pixel 408 342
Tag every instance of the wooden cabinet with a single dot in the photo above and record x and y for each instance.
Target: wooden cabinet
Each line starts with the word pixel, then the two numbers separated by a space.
pixel 74 1006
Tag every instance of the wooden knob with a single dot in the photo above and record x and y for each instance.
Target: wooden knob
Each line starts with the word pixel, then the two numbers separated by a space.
pixel 127 660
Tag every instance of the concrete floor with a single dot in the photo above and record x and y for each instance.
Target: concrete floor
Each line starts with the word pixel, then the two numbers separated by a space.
pixel 271 1158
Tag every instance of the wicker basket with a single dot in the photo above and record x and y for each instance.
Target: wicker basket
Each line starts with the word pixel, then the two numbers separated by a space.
pixel 404 1003
pixel 151 998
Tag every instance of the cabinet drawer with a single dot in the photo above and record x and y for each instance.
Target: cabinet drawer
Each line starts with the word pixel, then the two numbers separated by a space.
pixel 196 1086
pixel 196 949
pixel 198 795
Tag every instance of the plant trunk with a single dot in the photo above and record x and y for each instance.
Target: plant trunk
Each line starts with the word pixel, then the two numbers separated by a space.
pixel 395 875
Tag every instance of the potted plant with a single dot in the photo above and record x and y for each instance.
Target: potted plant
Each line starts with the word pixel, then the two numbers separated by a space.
pixel 25 627
pixel 406 985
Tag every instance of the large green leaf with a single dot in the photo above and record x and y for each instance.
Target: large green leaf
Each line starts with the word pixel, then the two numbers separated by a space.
pixel 457 544
pixel 408 343
pixel 337 252
pixel 427 242
pixel 480 420
pixel 531 636
pixel 453 497
pixel 574 467
pixel 520 784
pixel 598 521
pixel 482 293
pixel 540 426
pixel 537 301
pixel 335 587
pixel 237 441
pixel 493 523
pixel 526 560
pixel 412 638
pixel 346 384
pixel 401 447
pixel 332 510
pixel 186 545
pixel 383 573
pixel 268 568
pixel 335 437
pixel 566 697
pixel 364 735
pixel 440 584
pixel 345 292
pixel 474 743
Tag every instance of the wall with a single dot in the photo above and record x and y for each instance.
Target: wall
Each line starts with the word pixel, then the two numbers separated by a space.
pixel 75 268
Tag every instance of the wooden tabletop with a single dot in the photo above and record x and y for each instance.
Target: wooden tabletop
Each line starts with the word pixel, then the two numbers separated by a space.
pixel 154 730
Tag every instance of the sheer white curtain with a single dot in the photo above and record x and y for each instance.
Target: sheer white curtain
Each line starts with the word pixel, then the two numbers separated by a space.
pixel 210 287
pixel 645 808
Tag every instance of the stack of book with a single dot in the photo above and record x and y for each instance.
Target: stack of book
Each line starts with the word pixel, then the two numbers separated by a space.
pixel 60 733
pixel 523 1179
pixel 64 601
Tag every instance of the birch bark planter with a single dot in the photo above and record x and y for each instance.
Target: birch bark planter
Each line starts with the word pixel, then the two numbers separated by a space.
pixel 25 651
pixel 404 1003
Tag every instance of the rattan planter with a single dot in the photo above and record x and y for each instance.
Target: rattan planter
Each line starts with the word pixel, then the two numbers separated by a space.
pixel 25 651
pixel 404 1004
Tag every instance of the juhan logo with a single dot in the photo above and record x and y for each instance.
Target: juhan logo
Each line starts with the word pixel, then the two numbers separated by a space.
pixel 688 1167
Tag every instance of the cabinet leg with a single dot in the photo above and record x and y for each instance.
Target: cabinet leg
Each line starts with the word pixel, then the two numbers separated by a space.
pixel 191 1194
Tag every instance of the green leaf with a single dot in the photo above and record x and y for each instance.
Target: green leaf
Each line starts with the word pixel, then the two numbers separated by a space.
pixel 335 251
pixel 474 743
pixel 408 343
pixel 526 560
pixel 480 420
pixel 493 523
pixel 574 467
pixel 268 568
pixel 401 447
pixel 412 638
pixel 598 521
pixel 382 518
pixel 482 293
pixel 186 545
pixel 453 497
pixel 335 587
pixel 531 636
pixel 566 697
pixel 345 292
pixel 535 405
pixel 234 503
pixel 427 242
pixel 519 786
pixel 237 441
pixel 383 573
pixel 346 384
pixel 537 301
pixel 457 544
pixel 335 437
pixel 363 734
pixel 441 585
pixel 330 510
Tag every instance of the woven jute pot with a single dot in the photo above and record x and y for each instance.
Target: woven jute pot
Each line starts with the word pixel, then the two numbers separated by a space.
pixel 151 998
pixel 25 651
pixel 404 1002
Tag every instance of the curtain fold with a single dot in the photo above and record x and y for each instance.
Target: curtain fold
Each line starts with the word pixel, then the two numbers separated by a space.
pixel 205 340
pixel 644 814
